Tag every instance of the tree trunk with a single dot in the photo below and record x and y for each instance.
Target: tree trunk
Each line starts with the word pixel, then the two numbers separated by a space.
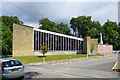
pixel 43 54
pixel 75 33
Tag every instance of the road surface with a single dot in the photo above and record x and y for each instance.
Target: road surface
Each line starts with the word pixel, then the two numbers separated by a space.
pixel 84 68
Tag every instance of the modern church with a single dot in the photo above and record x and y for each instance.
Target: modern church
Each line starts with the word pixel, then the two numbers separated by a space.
pixel 27 41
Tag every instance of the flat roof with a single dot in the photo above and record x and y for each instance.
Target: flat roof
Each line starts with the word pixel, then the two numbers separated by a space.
pixel 45 31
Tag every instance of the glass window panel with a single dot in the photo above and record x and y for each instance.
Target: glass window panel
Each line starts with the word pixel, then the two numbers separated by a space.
pixel 79 45
pixel 34 38
pixel 51 41
pixel 41 39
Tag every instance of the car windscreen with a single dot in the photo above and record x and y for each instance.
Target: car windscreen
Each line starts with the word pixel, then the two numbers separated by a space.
pixel 12 63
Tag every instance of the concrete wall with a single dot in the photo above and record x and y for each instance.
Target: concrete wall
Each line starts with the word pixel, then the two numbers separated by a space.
pixel 95 43
pixel 87 42
pixel 105 48
pixel 57 52
pixel 22 40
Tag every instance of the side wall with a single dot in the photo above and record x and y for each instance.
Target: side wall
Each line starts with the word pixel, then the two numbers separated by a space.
pixel 95 43
pixel 58 52
pixel 22 40
pixel 87 42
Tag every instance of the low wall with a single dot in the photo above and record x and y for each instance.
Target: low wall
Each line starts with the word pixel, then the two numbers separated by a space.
pixel 57 52
pixel 105 48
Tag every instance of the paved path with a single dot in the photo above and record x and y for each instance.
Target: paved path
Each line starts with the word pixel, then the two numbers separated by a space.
pixel 94 67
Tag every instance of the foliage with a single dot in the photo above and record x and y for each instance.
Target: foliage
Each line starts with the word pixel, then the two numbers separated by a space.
pixel 46 24
pixel 91 47
pixel 83 26
pixel 6 31
pixel 62 28
pixel 44 49
pixel 111 34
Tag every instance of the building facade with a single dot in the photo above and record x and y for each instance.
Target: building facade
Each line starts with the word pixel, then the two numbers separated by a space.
pixel 87 45
pixel 28 41
pixel 105 48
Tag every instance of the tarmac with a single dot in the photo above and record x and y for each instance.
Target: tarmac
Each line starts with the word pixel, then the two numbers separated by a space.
pixel 53 69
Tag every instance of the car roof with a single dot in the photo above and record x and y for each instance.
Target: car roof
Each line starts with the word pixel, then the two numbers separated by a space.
pixel 6 59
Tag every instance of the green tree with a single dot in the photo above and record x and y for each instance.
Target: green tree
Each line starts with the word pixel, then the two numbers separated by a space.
pixel 117 42
pixel 44 49
pixel 83 25
pixel 63 29
pixel 94 31
pixel 6 39
pixel 110 34
pixel 74 26
pixel 9 20
pixel 7 29
pixel 46 24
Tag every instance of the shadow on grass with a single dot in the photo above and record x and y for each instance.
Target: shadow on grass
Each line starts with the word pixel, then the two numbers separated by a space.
pixel 42 56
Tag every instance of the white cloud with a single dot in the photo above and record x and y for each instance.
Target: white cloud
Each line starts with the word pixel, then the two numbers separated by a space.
pixel 31 12
pixel 60 0
pixel 110 11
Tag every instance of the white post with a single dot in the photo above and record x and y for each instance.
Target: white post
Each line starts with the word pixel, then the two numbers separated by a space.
pixel 70 59
pixel 43 60
pixel 87 56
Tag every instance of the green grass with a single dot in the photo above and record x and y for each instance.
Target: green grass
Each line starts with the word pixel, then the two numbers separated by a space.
pixel 35 59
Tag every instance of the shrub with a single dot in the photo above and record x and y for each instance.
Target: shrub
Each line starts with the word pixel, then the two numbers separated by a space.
pixel 45 49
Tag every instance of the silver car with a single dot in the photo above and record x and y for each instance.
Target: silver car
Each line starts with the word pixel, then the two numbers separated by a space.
pixel 11 68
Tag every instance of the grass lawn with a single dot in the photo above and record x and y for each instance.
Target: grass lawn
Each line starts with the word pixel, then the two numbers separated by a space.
pixel 35 59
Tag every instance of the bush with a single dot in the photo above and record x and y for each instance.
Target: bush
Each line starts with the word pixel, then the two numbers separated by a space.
pixel 45 49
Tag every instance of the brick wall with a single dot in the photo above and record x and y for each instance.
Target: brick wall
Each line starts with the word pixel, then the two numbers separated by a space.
pixel 22 40
pixel 87 42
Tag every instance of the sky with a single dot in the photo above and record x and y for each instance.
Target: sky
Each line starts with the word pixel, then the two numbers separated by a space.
pixel 31 12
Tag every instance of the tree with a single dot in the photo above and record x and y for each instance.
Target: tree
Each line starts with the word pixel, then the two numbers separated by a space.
pixel 117 42
pixel 74 26
pixel 46 24
pixel 9 20
pixel 82 26
pixel 110 31
pixel 62 28
pixel 110 34
pixel 94 31
pixel 6 39
pixel 44 49
pixel 7 29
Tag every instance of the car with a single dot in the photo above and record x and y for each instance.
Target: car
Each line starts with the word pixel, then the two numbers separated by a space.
pixel 0 72
pixel 11 68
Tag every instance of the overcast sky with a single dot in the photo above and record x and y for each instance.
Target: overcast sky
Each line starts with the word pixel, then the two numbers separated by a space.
pixel 31 12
